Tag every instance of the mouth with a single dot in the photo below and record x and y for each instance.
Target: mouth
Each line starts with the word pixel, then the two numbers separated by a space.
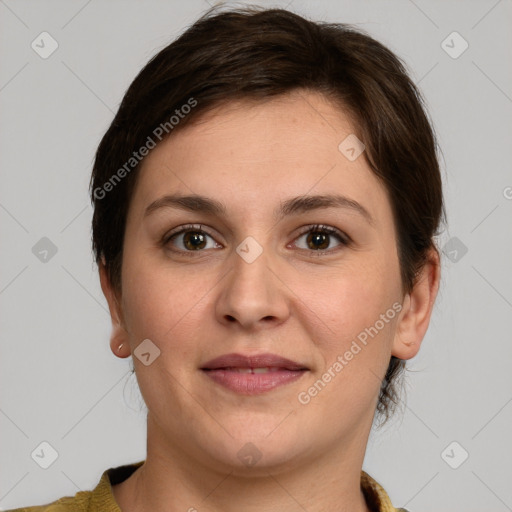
pixel 251 375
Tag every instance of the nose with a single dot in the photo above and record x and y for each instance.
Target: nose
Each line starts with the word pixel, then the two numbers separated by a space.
pixel 253 295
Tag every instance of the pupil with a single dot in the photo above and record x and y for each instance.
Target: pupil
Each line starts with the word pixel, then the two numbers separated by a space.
pixel 319 240
pixel 194 240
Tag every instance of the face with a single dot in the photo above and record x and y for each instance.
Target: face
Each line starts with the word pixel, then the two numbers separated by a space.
pixel 265 272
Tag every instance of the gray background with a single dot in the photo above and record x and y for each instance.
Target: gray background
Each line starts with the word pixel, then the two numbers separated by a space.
pixel 59 381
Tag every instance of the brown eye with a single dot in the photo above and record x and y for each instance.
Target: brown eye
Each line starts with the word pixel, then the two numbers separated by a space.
pixel 189 239
pixel 319 239
pixel 194 240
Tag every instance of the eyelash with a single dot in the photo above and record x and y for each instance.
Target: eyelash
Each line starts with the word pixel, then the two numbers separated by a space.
pixel 317 228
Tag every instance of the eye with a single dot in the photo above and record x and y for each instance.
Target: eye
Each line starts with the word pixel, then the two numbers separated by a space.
pixel 190 238
pixel 318 238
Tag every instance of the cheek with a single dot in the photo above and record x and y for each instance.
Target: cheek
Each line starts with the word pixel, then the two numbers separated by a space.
pixel 352 299
pixel 356 351
pixel 157 303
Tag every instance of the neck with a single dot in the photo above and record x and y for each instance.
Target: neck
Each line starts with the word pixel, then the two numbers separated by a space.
pixel 170 480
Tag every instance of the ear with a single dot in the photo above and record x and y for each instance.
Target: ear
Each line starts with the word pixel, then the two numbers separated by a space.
pixel 417 309
pixel 119 343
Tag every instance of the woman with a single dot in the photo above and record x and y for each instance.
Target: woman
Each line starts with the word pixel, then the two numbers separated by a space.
pixel 265 203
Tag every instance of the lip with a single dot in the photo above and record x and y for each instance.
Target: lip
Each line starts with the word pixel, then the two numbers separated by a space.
pixel 254 361
pixel 225 370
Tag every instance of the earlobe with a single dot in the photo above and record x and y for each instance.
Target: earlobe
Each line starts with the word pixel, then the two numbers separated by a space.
pixel 118 337
pixel 417 310
pixel 121 351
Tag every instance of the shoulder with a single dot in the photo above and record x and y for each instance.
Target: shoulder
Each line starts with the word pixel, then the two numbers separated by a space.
pixel 77 503
pixel 376 496
pixel 100 498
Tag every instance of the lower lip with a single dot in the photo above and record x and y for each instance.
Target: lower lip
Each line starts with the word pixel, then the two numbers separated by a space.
pixel 253 383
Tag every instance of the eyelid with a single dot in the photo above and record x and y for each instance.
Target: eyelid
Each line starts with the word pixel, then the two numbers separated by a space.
pixel 343 238
pixel 184 228
pixel 180 230
pixel 326 228
pixel 330 230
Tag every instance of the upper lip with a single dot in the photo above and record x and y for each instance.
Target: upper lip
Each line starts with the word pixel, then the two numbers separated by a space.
pixel 254 361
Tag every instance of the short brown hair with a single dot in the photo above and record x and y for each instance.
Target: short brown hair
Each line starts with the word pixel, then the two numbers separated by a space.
pixel 256 53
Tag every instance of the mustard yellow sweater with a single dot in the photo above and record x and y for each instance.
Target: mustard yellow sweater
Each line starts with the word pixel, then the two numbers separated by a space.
pixel 101 499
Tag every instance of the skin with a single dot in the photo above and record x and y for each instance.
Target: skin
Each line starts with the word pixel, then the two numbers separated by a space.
pixel 290 301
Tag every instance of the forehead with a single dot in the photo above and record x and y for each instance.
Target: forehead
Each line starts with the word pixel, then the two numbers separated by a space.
pixel 267 129
pixel 260 150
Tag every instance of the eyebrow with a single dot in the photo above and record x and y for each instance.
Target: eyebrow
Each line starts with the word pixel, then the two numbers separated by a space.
pixel 295 205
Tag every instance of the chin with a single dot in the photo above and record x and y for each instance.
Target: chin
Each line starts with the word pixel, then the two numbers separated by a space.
pixel 267 451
